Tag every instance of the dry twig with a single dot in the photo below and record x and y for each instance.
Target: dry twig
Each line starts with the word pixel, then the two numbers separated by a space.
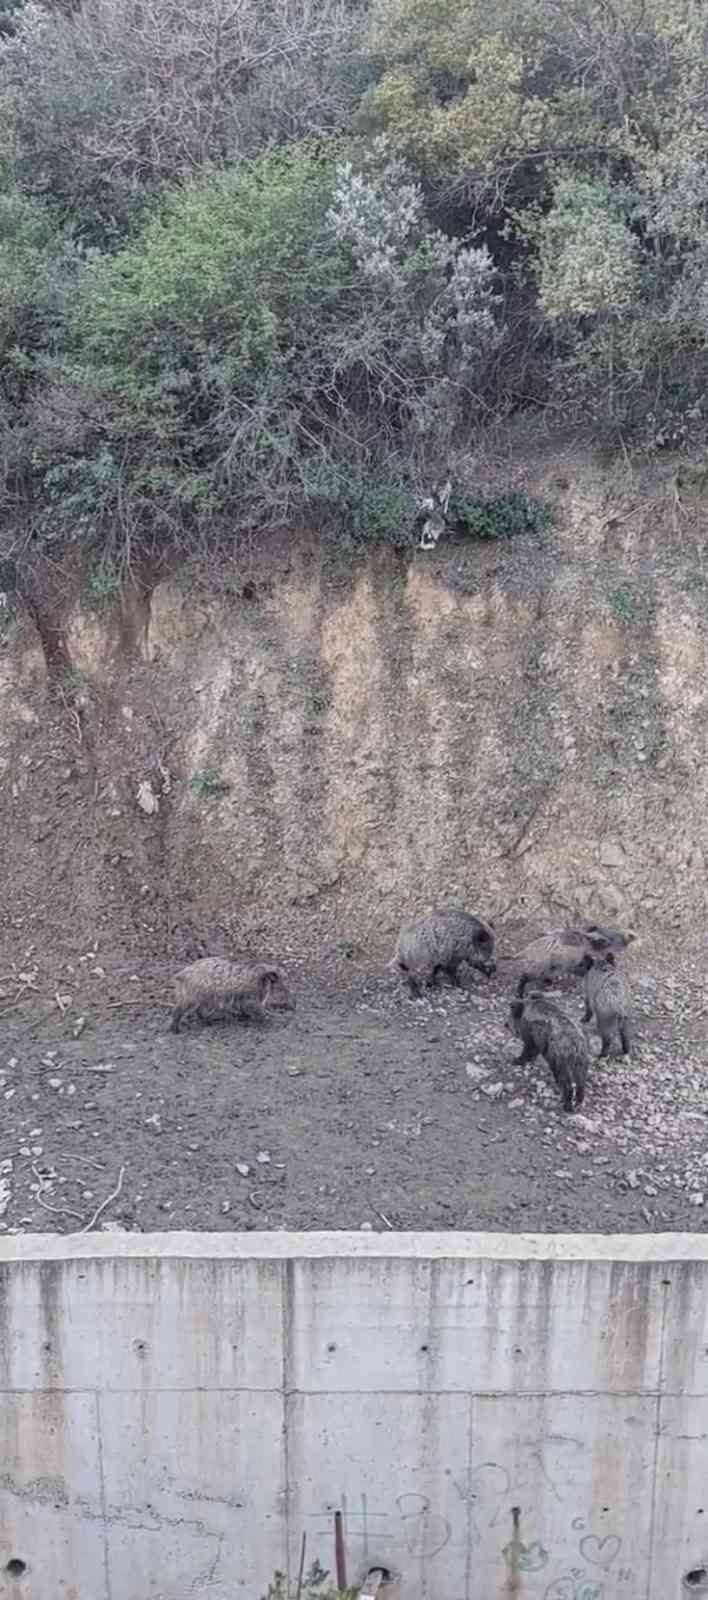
pixel 106 1202
pixel 60 1211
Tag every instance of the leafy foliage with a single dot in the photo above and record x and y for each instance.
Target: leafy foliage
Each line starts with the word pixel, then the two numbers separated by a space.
pixel 267 264
pixel 261 347
pixel 315 1587
pixel 207 783
pixel 499 516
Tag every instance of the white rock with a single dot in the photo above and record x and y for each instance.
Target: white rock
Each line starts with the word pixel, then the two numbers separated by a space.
pixel 147 799
pixel 474 1073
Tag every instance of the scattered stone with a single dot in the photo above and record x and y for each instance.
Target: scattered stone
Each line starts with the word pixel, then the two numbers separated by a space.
pixel 147 799
pixel 243 1168
pixel 475 1073
pixel 696 1199
pixel 612 855
pixel 263 1158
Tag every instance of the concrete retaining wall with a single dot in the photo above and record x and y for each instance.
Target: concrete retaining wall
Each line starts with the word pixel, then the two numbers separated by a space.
pixel 495 1416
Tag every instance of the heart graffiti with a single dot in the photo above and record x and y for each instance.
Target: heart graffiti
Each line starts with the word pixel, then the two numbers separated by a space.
pixel 600 1552
pixel 567 1589
pixel 528 1557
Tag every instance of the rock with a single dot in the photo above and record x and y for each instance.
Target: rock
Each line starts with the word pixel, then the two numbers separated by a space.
pixel 147 799
pixel 263 1158
pixel 366 1227
pixel 632 1180
pixel 493 1091
pixel 475 1074
pixel 696 1199
pixel 243 1168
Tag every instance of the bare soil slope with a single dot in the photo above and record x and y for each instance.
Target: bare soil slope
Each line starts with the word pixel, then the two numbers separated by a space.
pixel 364 1109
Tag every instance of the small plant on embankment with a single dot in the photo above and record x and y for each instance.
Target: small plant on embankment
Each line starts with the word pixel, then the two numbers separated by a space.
pixel 314 1586
pixel 207 783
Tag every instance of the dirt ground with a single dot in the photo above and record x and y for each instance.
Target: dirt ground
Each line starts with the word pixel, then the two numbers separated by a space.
pixel 363 1109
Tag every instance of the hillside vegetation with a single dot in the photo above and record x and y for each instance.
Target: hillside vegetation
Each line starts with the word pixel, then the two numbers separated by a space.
pixel 273 265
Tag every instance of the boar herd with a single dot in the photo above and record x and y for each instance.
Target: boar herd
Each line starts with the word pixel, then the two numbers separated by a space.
pixel 440 945
pixel 444 941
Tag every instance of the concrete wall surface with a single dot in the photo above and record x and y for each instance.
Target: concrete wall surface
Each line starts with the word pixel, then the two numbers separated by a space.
pixel 496 1416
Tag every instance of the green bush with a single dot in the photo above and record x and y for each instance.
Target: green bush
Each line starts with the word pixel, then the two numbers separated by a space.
pixel 280 342
pixel 499 516
pixel 207 783
pixel 238 287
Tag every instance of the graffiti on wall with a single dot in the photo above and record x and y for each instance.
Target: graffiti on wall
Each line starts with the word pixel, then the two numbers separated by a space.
pixel 587 1566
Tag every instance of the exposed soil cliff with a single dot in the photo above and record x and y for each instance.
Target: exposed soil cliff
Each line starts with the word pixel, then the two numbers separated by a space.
pixel 324 746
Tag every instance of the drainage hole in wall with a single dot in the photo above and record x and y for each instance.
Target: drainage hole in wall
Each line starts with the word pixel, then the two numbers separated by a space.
pixel 696 1578
pixel 15 1567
